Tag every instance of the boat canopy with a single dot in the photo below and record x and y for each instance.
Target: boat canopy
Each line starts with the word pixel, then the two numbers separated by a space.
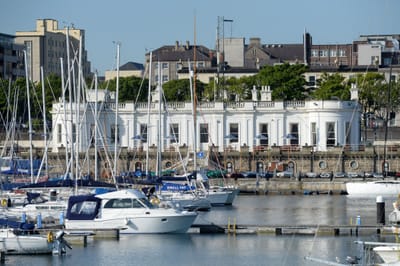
pixel 83 207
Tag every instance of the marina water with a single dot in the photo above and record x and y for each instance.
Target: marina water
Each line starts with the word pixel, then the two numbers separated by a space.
pixel 240 249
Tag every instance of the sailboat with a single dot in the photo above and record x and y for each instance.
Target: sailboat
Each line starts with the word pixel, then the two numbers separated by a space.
pixel 390 188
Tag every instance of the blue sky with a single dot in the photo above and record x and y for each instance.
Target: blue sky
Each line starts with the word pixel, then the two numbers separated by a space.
pixel 143 25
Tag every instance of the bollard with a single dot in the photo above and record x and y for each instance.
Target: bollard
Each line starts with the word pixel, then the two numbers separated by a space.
pixel 23 217
pixel 358 220
pixel 39 221
pixel 380 210
pixel 61 218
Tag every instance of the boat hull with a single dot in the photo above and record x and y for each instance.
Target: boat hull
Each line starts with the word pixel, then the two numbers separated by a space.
pixel 373 189
pixel 389 254
pixel 139 224
pixel 24 244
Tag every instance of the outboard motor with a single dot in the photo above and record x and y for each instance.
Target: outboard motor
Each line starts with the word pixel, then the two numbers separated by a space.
pixel 60 244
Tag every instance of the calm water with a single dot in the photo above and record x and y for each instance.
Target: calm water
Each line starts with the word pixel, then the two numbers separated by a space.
pixel 196 249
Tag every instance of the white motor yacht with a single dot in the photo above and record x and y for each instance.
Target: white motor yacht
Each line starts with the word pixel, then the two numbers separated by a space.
pixel 128 210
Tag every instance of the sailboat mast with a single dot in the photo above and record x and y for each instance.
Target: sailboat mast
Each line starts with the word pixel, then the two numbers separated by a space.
pixel 95 128
pixel 194 100
pixel 148 114
pixel 159 136
pixel 29 116
pixel 65 111
pixel 44 121
pixel 71 139
pixel 116 116
pixel 77 115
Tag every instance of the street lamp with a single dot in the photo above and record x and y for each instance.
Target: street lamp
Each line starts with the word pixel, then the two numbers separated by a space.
pixel 259 137
pixel 290 137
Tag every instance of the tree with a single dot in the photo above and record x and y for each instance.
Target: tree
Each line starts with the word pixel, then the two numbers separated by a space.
pixel 179 90
pixel 286 81
pixel 332 86
pixel 130 88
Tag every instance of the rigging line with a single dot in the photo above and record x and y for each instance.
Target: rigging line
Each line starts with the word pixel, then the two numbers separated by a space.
pixel 352 118
pixel 141 83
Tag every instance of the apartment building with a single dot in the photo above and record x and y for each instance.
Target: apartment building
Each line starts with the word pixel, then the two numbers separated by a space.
pixel 168 60
pixel 47 44
pixel 11 58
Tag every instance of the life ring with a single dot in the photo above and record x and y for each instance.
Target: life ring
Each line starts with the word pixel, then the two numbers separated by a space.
pixel 4 202
pixel 50 237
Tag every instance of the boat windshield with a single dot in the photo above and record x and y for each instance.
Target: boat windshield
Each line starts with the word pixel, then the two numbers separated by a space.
pixel 128 203
pixel 148 204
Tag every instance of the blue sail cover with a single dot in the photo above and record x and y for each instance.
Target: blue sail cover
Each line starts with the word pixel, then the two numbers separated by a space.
pixel 83 207
pixel 69 183
pixel 7 223
pixel 18 166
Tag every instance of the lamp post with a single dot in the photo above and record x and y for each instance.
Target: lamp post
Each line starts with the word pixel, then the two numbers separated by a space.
pixel 259 137
pixel 221 21
pixel 290 137
pixel 228 139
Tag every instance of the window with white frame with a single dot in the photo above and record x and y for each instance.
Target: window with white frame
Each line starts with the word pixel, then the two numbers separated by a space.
pixel 174 132
pixel 59 133
pixel 143 132
pixel 314 53
pixel 203 133
pixel 91 134
pixel 330 134
pixel 294 134
pixel 342 52
pixel 234 132
pixel 348 133
pixel 263 130
pixel 313 134
pixel 114 137
pixel 323 53
pixel 332 53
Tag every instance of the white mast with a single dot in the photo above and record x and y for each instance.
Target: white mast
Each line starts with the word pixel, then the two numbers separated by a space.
pixel 148 114
pixel 116 117
pixel 70 165
pixel 95 128
pixel 77 116
pixel 159 146
pixel 29 116
pixel 65 111
pixel 44 122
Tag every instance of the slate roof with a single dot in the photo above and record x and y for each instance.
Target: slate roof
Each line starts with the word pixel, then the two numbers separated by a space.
pixel 173 53
pixel 131 66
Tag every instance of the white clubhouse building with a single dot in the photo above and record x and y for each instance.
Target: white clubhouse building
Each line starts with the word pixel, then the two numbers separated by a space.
pixel 260 123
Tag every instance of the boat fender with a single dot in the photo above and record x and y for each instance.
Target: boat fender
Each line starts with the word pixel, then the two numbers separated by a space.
pixel 4 202
pixel 155 201
pixel 50 237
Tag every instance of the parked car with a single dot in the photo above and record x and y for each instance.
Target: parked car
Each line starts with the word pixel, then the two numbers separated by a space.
pixel 312 175
pixel 339 175
pixel 377 175
pixel 325 175
pixel 284 174
pixel 249 174
pixel 352 175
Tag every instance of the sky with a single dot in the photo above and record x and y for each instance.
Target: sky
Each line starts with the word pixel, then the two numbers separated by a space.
pixel 141 26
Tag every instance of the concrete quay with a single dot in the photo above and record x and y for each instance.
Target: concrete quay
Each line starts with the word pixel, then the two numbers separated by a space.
pixel 290 186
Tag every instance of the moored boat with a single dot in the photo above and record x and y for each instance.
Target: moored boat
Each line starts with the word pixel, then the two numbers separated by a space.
pixel 389 188
pixel 128 210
